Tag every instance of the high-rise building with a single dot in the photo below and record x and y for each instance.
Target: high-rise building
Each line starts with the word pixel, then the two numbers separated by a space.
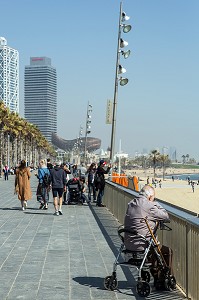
pixel 9 76
pixel 40 95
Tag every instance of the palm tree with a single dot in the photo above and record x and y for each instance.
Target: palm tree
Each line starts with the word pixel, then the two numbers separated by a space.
pixel 183 159
pixel 155 155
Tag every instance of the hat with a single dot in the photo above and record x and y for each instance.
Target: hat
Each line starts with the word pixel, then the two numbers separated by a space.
pixel 102 162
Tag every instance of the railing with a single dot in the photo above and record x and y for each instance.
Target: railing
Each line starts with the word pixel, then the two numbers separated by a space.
pixel 183 239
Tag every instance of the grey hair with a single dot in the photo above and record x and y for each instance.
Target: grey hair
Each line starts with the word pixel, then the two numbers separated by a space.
pixel 147 191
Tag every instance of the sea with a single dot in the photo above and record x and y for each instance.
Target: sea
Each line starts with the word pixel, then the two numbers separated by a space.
pixel 194 176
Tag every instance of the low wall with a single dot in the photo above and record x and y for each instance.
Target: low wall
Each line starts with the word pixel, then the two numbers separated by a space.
pixel 183 239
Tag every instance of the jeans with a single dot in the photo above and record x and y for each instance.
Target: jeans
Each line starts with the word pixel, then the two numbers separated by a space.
pixel 99 196
pixel 91 188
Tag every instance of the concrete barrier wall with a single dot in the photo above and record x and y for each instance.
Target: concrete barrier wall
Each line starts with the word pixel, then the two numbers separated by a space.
pixel 183 239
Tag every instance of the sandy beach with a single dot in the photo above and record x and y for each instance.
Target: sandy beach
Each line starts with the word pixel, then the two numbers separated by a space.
pixel 176 192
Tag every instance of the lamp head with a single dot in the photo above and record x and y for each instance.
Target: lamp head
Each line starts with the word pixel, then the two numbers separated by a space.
pixel 126 28
pixel 126 53
pixel 124 17
pixel 123 43
pixel 121 70
pixel 123 81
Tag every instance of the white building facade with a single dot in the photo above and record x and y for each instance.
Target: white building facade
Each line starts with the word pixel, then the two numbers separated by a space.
pixel 9 76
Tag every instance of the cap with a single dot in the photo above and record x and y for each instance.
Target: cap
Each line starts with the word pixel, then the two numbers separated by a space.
pixel 102 162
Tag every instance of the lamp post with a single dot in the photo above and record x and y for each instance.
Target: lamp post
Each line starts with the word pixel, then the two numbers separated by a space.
pixel 87 129
pixel 119 70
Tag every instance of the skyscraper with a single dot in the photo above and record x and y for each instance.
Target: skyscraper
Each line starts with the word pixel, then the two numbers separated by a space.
pixel 9 75
pixel 40 95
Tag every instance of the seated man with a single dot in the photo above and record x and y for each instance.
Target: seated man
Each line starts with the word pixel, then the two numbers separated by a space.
pixel 138 209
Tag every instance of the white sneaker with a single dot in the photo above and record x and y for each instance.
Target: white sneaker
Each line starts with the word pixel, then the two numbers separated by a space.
pixel 56 213
pixel 25 204
pixel 23 208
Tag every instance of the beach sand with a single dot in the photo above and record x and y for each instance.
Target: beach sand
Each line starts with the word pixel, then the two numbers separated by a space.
pixel 176 192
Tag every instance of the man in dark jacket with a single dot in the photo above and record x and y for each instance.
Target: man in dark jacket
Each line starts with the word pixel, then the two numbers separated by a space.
pixel 58 179
pixel 100 181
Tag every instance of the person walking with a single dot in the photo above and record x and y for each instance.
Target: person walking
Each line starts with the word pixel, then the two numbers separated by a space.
pixel 100 181
pixel 67 172
pixel 58 181
pixel 5 171
pixel 22 184
pixel 90 182
pixel 44 184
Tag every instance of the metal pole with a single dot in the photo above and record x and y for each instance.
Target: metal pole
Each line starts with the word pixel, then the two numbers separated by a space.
pixel 115 91
pixel 85 145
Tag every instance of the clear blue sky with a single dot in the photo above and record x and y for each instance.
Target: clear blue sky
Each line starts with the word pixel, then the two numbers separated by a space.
pixel 159 106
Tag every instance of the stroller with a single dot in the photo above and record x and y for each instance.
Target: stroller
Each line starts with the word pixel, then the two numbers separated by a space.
pixel 74 190
pixel 141 260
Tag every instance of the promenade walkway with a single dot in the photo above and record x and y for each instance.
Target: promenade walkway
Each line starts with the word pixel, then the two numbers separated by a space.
pixel 47 257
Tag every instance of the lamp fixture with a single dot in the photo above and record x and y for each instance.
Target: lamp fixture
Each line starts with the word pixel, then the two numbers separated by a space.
pixel 123 43
pixel 123 81
pixel 124 17
pixel 125 53
pixel 126 28
pixel 121 70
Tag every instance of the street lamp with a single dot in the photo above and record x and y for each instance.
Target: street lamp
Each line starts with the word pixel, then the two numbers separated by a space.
pixel 88 128
pixel 119 70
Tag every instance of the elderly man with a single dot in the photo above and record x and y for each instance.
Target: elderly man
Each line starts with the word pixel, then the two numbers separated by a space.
pixel 145 206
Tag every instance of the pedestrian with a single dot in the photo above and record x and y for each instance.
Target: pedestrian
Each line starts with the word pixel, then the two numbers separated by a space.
pixel 22 184
pixel 83 189
pixel 5 171
pixel 172 177
pixel 147 181
pixel 90 182
pixel 43 188
pixel 58 179
pixel 192 185
pixel 100 181
pixel 160 183
pixel 49 165
pixel 67 172
pixel 145 206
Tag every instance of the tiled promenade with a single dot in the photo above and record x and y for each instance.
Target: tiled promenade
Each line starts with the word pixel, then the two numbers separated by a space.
pixel 48 257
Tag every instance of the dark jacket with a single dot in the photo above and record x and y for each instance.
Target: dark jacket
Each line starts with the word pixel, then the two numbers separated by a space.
pixel 99 177
pixel 58 177
pixel 138 209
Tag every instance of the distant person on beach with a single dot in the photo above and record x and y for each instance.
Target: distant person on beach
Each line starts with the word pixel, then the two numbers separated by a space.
pixel 172 177
pixel 160 183
pixel 147 181
pixel 192 185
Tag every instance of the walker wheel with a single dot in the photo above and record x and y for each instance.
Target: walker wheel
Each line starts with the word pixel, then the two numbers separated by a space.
pixel 110 283
pixel 145 276
pixel 170 283
pixel 143 288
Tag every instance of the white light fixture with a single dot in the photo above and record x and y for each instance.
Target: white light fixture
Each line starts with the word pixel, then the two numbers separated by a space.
pixel 126 28
pixel 121 70
pixel 123 81
pixel 126 53
pixel 123 43
pixel 125 17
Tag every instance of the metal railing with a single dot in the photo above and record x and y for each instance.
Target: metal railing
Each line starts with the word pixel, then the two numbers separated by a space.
pixel 183 239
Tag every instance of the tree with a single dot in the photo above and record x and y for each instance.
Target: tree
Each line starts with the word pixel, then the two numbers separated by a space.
pixel 155 157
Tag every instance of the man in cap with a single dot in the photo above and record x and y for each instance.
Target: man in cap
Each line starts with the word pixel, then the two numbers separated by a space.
pixel 100 181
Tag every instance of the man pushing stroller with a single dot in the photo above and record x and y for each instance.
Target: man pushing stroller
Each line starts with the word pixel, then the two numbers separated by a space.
pixel 144 207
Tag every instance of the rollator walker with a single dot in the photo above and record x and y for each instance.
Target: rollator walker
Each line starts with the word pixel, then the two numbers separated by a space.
pixel 141 260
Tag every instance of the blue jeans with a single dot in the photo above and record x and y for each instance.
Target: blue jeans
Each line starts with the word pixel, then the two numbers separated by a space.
pixel 99 196
pixel 91 188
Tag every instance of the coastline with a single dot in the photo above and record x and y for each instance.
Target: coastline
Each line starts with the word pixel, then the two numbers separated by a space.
pixel 177 192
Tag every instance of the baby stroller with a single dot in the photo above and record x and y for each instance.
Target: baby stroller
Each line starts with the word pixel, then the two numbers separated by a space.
pixel 74 190
pixel 141 260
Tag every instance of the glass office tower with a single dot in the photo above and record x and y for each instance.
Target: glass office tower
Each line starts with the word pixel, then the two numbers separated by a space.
pixel 9 76
pixel 40 95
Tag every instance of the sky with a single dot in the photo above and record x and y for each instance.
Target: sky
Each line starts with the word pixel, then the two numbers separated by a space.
pixel 158 107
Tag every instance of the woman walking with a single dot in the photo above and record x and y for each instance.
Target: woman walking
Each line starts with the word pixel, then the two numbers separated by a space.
pixel 22 184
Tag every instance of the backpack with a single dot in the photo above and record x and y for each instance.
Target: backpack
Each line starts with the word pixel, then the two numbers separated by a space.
pixel 46 179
